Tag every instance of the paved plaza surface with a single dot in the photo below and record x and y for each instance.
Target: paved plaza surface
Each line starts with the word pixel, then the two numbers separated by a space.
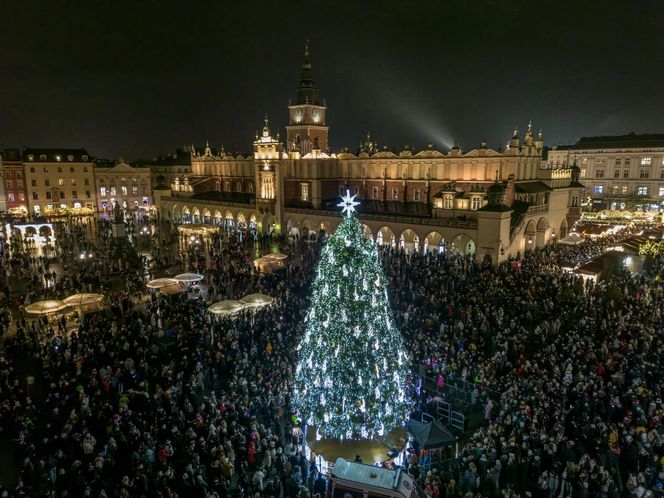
pixel 558 380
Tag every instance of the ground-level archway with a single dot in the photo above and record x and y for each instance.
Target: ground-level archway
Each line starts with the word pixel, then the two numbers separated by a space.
pixel 385 236
pixel 463 244
pixel 434 242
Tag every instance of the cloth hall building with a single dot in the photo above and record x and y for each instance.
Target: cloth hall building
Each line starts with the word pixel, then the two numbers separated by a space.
pixel 481 202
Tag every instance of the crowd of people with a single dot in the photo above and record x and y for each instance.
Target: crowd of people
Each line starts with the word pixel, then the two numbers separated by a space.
pixel 163 399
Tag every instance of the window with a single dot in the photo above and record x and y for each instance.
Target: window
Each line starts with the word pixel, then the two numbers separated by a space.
pixel 661 191
pixel 71 169
pixel 19 174
pixel 61 182
pixel 21 196
pixel 63 206
pixel 416 194
pixel 62 194
pixel 598 189
pixel 646 161
pixel 36 210
pixel 10 196
pixel 617 161
pixel 87 194
pixel 134 179
pixel 48 195
pixel 599 173
pixel 124 190
pixel 134 190
pixel 583 172
pixel 644 174
pixel 73 182
pixel 626 173
pixel 304 191
pixel 628 161
pixel 74 194
pixel 102 191
pixel 624 189
pixel 661 174
pixel 342 190
pixel 227 186
pixel 19 184
pixel 448 201
pixel 475 202
pixel 35 196
pixel 86 181
pixel 32 169
pixel 45 169
pixel 374 192
pixel 10 184
pixel 31 158
pixel 641 190
pixel 356 190
pixel 59 169
pixel 251 188
pixel 616 174
pixel 58 158
pixel 238 186
pixel 85 169
pixel 395 194
pixel 112 189
pixel 616 189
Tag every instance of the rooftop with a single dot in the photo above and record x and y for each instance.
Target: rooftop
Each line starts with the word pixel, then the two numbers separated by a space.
pixel 629 141
pixel 56 155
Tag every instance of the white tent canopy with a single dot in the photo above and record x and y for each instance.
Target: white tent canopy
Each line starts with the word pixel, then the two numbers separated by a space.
pixel 226 307
pixel 46 307
pixel 572 239
pixel 188 277
pixel 257 300
pixel 276 256
pixel 79 300
pixel 158 283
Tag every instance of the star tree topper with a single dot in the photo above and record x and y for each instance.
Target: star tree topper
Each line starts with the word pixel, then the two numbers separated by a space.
pixel 348 203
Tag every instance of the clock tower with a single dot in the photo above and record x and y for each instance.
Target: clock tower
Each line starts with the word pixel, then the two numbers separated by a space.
pixel 306 128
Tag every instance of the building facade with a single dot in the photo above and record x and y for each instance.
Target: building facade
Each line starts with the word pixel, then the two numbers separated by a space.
pixel 624 172
pixel 59 181
pixel 124 186
pixel 482 202
pixel 14 195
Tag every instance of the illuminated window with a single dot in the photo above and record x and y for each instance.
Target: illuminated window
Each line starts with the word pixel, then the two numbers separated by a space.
pixel 583 172
pixel 395 194
pixel 112 191
pixel 102 191
pixel 304 191
pixel 624 189
pixel 598 189
pixel 475 202
pixel 58 158
pixel 134 190
pixel 661 191
pixel 646 161
pixel 10 196
pixel 21 196
pixel 124 190
pixel 642 190
pixel 448 201
pixel 73 182
pixel 616 189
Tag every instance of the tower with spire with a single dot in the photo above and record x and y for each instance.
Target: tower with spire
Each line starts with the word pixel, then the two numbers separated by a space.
pixel 307 129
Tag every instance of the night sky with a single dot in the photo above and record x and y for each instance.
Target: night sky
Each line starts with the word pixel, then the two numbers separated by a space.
pixel 141 78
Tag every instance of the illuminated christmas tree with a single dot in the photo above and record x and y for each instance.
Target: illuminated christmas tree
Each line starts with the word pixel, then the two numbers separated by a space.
pixel 350 380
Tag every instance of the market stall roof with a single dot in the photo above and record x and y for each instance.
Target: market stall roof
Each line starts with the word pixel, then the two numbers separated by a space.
pixel 45 307
pixel 188 277
pixel 226 307
pixel 572 239
pixel 257 300
pixel 79 300
pixel 275 256
pixel 172 289
pixel 158 283
pixel 430 434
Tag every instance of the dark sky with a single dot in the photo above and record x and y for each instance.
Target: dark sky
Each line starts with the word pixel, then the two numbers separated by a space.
pixel 140 78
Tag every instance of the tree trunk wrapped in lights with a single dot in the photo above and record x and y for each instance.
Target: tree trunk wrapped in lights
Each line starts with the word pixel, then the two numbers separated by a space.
pixel 350 381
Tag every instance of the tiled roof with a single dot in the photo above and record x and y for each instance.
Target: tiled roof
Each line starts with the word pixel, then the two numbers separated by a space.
pixel 631 140
pixel 50 155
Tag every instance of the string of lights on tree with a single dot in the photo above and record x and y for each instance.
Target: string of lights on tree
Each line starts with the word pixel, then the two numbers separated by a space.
pixel 350 381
